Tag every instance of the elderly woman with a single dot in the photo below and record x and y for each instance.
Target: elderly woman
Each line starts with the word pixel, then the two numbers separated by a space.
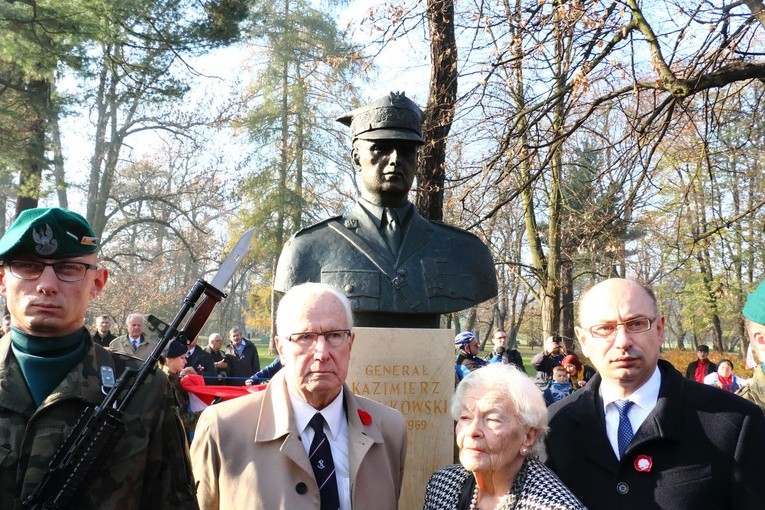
pixel 501 420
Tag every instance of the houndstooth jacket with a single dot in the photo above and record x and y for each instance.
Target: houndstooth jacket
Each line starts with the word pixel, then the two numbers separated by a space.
pixel 541 490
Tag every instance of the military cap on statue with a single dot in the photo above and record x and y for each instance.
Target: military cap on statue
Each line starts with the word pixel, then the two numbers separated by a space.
pixel 48 232
pixel 754 308
pixel 393 117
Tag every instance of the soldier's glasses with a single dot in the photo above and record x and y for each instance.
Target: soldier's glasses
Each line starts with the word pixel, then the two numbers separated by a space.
pixel 607 330
pixel 308 339
pixel 65 271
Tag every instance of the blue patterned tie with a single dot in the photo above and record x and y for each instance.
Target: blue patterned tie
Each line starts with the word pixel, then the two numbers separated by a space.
pixel 624 433
pixel 323 466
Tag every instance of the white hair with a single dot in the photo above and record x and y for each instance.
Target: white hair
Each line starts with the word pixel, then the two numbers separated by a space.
pixel 516 388
pixel 134 316
pixel 298 296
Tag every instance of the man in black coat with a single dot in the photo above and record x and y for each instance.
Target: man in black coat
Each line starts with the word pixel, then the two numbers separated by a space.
pixel 103 335
pixel 242 358
pixel 697 373
pixel 202 363
pixel 693 446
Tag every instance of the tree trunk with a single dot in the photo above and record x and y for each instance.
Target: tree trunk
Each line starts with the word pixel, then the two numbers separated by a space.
pixel 440 109
pixel 33 159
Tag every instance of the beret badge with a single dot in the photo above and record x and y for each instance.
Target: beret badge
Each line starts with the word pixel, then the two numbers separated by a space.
pixel 44 242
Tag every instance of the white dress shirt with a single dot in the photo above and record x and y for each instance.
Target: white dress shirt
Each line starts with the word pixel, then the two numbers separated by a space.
pixel 645 399
pixel 334 416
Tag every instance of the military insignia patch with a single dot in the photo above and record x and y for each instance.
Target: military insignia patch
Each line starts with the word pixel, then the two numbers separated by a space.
pixel 44 242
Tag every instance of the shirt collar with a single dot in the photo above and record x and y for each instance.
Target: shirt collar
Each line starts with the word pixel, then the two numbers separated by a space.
pixel 376 211
pixel 333 414
pixel 644 397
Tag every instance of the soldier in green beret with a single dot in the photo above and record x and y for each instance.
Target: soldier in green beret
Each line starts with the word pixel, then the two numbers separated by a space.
pixel 397 268
pixel 51 370
pixel 754 323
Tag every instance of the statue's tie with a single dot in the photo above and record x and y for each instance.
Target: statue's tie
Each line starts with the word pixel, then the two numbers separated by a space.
pixel 392 230
pixel 323 466
pixel 624 433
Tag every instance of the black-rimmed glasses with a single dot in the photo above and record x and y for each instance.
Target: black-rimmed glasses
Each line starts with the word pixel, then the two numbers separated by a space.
pixel 65 271
pixel 307 339
pixel 636 325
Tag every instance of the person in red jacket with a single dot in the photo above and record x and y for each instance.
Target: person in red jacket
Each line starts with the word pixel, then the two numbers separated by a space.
pixel 702 367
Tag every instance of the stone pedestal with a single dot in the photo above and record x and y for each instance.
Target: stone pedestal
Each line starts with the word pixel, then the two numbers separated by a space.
pixel 411 370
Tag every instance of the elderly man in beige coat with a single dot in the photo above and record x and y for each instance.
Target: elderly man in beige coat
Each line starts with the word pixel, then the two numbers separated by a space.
pixel 253 452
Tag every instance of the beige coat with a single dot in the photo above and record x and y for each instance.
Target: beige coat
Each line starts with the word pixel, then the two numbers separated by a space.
pixel 247 453
pixel 122 344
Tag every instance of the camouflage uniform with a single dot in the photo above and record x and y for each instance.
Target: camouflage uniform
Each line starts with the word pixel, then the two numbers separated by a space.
pixel 148 468
pixel 188 418
pixel 755 390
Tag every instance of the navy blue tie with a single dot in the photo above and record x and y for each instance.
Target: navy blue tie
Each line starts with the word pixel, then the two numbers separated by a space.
pixel 323 466
pixel 624 433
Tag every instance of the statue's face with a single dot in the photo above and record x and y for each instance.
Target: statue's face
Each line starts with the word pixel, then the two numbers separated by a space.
pixel 387 169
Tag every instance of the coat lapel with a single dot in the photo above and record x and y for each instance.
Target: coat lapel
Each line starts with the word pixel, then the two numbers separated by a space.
pixel 665 421
pixel 360 437
pixel 418 233
pixel 364 225
pixel 276 420
pixel 589 418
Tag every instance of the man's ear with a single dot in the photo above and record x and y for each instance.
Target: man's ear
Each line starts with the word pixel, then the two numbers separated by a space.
pixel 759 339
pixel 355 161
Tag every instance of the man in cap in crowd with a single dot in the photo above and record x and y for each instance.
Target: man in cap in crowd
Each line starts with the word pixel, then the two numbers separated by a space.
pixel 754 323
pixel 51 370
pixel 699 369
pixel 640 435
pixel 467 357
pixel 305 442
pixel 397 268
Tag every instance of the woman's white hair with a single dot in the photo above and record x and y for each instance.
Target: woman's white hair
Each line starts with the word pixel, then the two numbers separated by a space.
pixel 296 298
pixel 516 387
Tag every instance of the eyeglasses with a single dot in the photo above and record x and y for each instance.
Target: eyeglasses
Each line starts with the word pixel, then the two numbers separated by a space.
pixel 65 271
pixel 636 325
pixel 334 338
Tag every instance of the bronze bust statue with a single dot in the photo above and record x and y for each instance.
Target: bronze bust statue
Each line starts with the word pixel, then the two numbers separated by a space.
pixel 397 268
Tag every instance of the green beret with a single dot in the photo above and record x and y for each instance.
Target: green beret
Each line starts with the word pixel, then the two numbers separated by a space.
pixel 49 233
pixel 393 117
pixel 754 308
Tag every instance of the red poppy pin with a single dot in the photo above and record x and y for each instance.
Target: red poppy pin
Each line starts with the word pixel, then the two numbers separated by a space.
pixel 643 463
pixel 366 418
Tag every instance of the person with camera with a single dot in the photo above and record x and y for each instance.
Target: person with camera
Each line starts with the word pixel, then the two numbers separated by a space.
pixel 554 350
pixel 502 353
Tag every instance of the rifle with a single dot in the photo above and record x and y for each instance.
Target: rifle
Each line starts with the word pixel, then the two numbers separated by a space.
pixel 99 428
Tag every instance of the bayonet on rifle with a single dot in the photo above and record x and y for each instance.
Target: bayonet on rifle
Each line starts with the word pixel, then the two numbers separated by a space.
pixel 99 428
